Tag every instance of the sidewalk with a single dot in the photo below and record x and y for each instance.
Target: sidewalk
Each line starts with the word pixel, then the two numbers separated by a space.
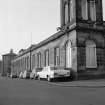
pixel 83 83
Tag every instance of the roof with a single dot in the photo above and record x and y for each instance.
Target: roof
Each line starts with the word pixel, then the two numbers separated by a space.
pixel 33 47
pixel 51 38
pixel 9 54
pixel 57 35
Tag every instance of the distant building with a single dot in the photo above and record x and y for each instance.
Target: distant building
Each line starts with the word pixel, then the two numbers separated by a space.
pixel 7 58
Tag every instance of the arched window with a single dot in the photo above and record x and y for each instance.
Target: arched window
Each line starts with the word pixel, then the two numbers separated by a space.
pixel 68 55
pixel 91 57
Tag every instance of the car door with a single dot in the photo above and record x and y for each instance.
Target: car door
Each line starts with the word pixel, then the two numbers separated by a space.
pixel 42 74
pixel 45 73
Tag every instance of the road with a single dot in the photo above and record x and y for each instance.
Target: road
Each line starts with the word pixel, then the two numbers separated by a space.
pixel 34 92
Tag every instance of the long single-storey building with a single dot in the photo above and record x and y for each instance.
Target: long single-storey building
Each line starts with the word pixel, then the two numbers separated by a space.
pixel 79 45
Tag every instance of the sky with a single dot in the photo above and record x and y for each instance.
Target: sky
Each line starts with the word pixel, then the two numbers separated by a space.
pixel 25 22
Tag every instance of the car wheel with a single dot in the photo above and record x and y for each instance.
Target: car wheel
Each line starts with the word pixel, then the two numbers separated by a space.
pixel 48 78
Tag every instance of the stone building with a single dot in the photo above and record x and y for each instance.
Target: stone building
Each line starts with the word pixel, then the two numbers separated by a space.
pixel 0 66
pixel 6 62
pixel 87 43
pixel 79 45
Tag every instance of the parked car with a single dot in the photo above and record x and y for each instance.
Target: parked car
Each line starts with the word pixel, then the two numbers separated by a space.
pixel 33 74
pixel 26 74
pixel 8 74
pixel 21 75
pixel 12 75
pixel 49 73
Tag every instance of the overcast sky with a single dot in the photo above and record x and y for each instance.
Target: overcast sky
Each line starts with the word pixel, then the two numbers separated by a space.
pixel 20 18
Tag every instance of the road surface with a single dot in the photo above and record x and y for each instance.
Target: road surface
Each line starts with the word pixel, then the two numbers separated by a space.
pixel 34 92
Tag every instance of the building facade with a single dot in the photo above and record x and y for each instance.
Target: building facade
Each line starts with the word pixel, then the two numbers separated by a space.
pixel 6 62
pixel 1 66
pixel 79 45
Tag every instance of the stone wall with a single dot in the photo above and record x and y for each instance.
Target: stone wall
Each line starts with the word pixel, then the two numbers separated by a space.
pixel 98 38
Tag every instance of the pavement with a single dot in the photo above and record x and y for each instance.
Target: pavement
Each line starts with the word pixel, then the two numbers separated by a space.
pixel 82 83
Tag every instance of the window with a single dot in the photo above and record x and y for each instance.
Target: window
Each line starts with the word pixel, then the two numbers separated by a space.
pixel 68 55
pixel 92 10
pixel 33 61
pixel 39 60
pixel 24 63
pixel 27 62
pixel 71 9
pixel 91 57
pixel 21 64
pixel 88 9
pixel 84 9
pixel 57 56
pixel 47 58
pixel 66 13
